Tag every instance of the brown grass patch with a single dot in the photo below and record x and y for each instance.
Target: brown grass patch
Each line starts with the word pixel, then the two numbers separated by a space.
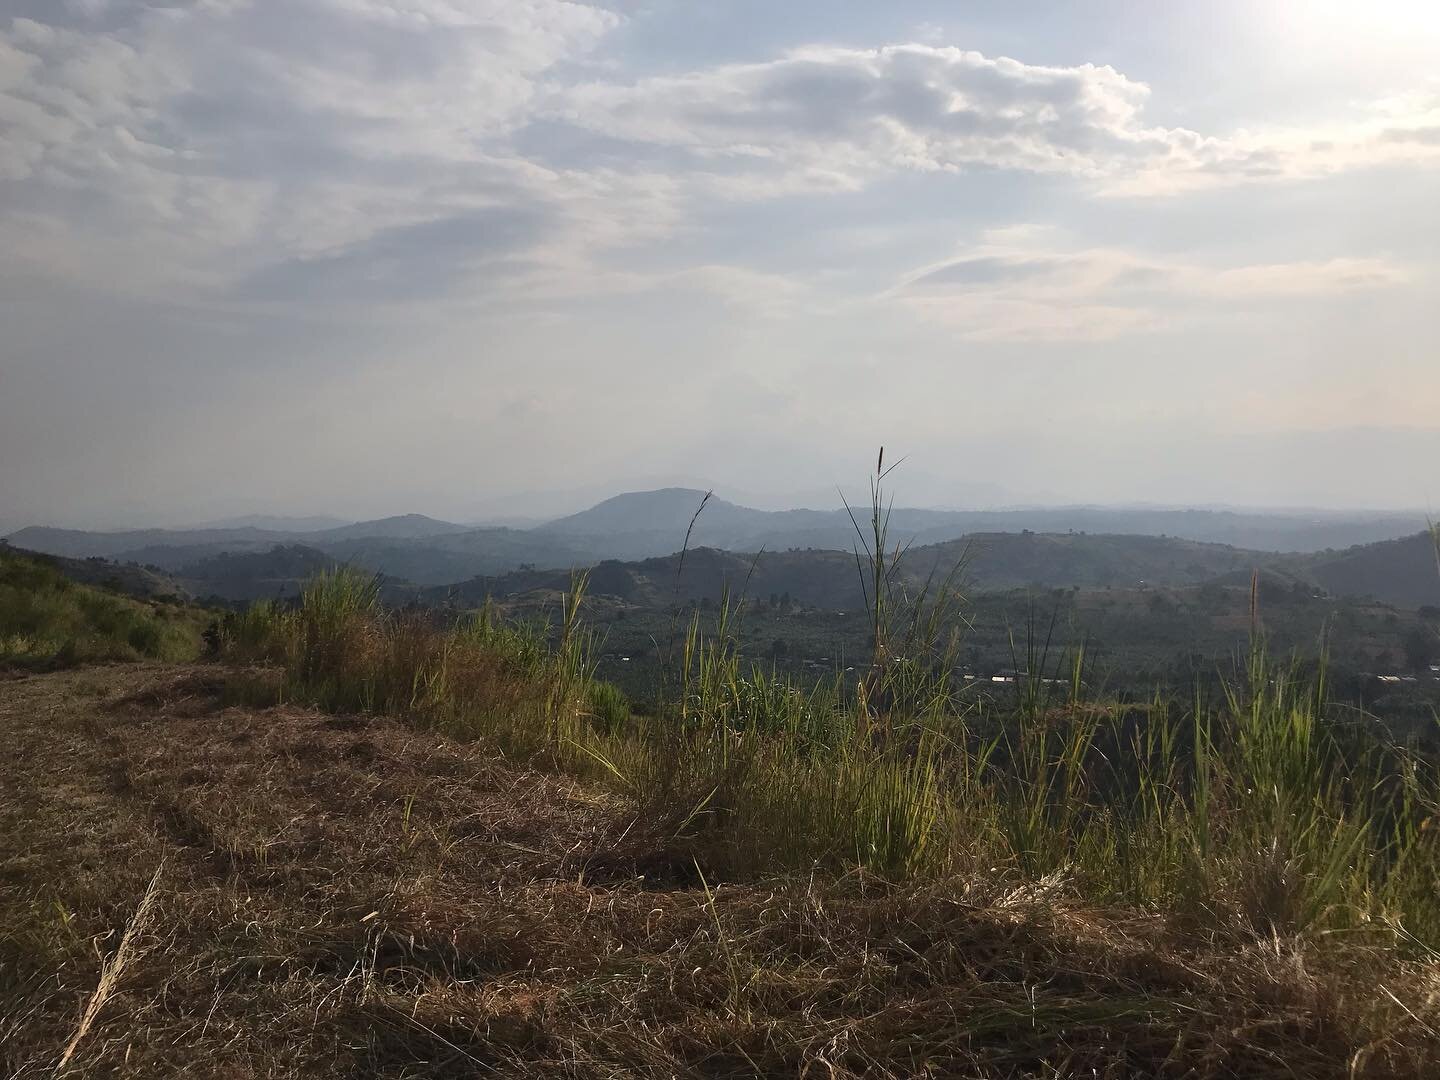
pixel 347 896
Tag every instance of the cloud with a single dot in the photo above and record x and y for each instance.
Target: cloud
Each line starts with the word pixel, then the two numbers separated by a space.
pixel 840 117
pixel 1426 136
pixel 218 144
pixel 405 263
pixel 1021 285
pixel 333 150
pixel 1316 278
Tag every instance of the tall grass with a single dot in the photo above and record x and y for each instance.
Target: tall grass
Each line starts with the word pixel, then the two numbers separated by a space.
pixel 341 650
pixel 1263 810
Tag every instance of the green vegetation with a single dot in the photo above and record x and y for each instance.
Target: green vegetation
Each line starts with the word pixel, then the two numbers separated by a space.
pixel 1264 808
pixel 48 620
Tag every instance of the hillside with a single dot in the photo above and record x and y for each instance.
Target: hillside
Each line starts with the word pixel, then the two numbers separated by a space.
pixel 1007 560
pixel 131 579
pixel 278 573
pixel 281 892
pixel 49 618
pixel 829 578
pixel 456 556
pixel 1401 572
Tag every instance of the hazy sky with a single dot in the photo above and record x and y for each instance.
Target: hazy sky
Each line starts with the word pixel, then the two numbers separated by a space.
pixel 373 256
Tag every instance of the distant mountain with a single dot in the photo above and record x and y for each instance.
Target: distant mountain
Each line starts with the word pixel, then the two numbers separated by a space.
pixel 174 548
pixel 647 523
pixel 277 523
pixel 668 511
pixel 80 544
pixel 401 527
pixel 651 524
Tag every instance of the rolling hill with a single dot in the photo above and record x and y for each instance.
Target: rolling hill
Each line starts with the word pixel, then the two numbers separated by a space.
pixel 1402 572
pixel 646 523
pixel 126 544
pixel 141 545
pixel 829 579
pixel 1087 546
pixel 400 527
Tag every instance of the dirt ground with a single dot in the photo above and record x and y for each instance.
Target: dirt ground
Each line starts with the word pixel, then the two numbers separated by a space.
pixel 202 889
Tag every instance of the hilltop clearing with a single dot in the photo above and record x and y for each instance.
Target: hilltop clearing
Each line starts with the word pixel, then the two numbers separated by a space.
pixel 343 896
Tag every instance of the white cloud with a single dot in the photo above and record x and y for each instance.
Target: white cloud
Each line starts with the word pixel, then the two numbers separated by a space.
pixel 241 150
pixel 1328 277
pixel 842 116
pixel 1023 284
pixel 203 143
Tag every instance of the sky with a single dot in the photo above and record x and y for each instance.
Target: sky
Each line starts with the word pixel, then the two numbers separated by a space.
pixel 476 258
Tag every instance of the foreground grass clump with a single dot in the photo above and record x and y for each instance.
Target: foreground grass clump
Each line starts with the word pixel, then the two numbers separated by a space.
pixel 477 677
pixel 47 620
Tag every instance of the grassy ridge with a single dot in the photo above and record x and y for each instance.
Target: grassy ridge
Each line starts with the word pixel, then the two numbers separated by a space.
pixel 48 620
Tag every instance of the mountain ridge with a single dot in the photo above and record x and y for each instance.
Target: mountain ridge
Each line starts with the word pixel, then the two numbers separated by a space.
pixel 649 524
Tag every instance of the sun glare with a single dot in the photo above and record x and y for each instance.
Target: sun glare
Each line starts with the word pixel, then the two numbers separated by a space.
pixel 1391 20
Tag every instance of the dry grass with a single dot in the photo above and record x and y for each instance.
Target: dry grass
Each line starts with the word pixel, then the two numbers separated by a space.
pixel 112 971
pixel 344 895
